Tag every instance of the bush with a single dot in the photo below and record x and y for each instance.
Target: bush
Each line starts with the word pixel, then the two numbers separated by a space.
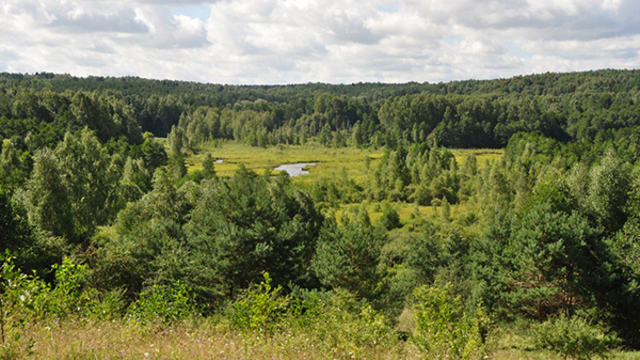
pixel 260 309
pixel 163 303
pixel 443 329
pixel 390 219
pixel 69 295
pixel 16 302
pixel 342 326
pixel 573 338
pixel 335 323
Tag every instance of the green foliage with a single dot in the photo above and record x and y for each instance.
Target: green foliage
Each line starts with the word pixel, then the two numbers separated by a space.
pixel 90 177
pixel 26 298
pixel 608 192
pixel 15 230
pixel 540 264
pixel 124 262
pixel 164 202
pixel 574 338
pixel 69 296
pixel 167 304
pixel 246 225
pixel 15 165
pixel 443 329
pixel 176 166
pixel 445 212
pixel 345 327
pixel 135 181
pixel 208 167
pixel 347 257
pixel 153 152
pixel 261 309
pixel 409 260
pixel 47 198
pixel 17 292
pixel 390 219
pixel 550 228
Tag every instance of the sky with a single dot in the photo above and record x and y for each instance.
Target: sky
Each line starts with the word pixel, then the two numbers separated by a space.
pixel 331 41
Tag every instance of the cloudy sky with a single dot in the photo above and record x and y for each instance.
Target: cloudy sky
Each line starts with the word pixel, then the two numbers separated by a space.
pixel 334 41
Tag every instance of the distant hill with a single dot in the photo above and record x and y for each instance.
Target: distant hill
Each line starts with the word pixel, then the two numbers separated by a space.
pixel 540 84
pixel 465 114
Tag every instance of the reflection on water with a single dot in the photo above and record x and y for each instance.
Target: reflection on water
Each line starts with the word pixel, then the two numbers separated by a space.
pixel 294 169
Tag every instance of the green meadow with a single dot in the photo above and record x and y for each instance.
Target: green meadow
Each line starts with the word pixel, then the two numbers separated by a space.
pixel 332 162
pixel 258 159
pixel 329 161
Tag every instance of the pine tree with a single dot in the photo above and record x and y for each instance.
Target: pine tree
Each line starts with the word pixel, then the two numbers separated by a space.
pixel 445 211
pixel 347 256
pixel 208 168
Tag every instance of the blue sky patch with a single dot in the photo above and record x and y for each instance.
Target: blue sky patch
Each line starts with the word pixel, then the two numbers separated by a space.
pixel 392 8
pixel 453 40
pixel 517 51
pixel 201 11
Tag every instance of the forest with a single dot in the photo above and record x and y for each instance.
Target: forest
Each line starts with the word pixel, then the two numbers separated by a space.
pixel 120 231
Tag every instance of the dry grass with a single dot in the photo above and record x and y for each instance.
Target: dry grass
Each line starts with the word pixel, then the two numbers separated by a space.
pixel 204 339
pixel 209 339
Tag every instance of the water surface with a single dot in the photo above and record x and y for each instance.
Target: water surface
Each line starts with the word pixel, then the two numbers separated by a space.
pixel 294 169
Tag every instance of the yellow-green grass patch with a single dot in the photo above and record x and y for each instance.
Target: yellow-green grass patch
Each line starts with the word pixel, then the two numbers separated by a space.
pixel 482 155
pixel 329 161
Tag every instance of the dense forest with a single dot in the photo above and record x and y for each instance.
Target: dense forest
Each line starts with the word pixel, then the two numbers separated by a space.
pixel 100 218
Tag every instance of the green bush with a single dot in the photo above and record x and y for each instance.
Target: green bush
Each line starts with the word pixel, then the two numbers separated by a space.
pixel 167 304
pixel 342 326
pixel 336 323
pixel 574 338
pixel 390 219
pixel 443 329
pixel 28 298
pixel 17 292
pixel 260 309
pixel 69 296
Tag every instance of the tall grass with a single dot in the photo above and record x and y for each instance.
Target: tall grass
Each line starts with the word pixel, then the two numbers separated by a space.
pixel 192 339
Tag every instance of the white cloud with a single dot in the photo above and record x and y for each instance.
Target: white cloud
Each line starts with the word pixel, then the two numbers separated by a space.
pixel 293 41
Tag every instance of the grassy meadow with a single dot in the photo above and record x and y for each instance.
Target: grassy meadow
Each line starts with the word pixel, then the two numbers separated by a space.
pixel 329 161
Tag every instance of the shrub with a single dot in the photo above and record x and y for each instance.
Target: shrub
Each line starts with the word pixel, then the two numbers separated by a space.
pixel 390 219
pixel 16 301
pixel 69 295
pixel 342 326
pixel 167 304
pixel 573 337
pixel 260 309
pixel 443 329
